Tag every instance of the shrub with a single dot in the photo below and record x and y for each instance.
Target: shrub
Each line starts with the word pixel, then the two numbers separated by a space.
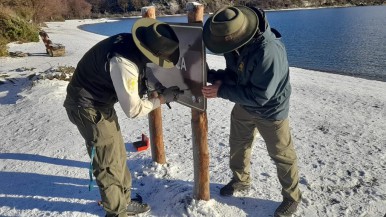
pixel 13 28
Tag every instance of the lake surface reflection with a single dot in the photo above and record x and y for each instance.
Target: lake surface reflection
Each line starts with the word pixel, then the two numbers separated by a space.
pixel 349 41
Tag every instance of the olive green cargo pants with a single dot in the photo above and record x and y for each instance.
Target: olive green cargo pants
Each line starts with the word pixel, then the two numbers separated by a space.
pixel 277 137
pixel 100 129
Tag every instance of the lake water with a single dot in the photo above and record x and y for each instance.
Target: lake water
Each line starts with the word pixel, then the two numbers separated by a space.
pixel 349 41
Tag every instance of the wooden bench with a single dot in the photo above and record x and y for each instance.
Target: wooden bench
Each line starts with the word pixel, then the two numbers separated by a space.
pixel 52 49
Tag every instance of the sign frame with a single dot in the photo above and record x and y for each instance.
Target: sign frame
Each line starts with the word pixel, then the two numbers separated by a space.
pixel 190 73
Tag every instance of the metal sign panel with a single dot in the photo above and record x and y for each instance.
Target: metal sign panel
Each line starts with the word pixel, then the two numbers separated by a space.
pixel 189 74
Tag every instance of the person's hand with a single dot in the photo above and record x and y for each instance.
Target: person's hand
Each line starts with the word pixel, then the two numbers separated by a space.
pixel 153 94
pixel 211 90
pixel 170 94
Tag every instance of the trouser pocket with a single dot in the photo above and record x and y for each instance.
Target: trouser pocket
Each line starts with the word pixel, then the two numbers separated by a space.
pixel 99 128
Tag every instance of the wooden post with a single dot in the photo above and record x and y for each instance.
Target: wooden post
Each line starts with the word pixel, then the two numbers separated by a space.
pixel 199 127
pixel 155 116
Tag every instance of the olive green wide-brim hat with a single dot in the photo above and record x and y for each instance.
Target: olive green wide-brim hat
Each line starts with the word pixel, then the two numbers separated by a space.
pixel 157 41
pixel 230 28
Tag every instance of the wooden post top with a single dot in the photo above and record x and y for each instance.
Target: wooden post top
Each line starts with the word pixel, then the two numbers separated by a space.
pixel 195 12
pixel 148 12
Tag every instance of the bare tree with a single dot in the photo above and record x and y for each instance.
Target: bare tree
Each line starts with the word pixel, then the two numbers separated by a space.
pixel 97 5
pixel 78 8
pixel 44 10
pixel 123 4
pixel 138 4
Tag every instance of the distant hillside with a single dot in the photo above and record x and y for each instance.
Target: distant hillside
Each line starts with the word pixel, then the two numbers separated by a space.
pixel 212 5
pixel 47 10
pixel 19 17
pixel 178 6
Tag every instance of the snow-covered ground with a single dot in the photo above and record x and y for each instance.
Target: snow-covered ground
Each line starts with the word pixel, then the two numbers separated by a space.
pixel 338 124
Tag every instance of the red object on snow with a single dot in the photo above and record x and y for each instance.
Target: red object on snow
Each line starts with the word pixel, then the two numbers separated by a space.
pixel 143 144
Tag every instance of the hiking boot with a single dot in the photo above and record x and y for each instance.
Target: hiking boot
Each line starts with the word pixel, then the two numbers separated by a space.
pixel 287 208
pixel 134 208
pixel 232 187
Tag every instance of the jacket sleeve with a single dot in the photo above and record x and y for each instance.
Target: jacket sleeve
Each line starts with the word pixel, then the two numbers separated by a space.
pixel 124 75
pixel 262 84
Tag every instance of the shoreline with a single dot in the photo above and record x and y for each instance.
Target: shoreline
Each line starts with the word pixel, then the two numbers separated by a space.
pixel 77 24
pixel 367 77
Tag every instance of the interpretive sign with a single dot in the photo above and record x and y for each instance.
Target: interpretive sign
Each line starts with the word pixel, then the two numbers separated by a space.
pixel 189 74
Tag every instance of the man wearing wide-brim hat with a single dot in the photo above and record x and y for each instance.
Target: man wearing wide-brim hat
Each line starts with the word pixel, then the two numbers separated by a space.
pixel 256 79
pixel 113 71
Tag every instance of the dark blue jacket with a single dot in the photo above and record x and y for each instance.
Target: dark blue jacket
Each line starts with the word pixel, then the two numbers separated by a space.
pixel 261 75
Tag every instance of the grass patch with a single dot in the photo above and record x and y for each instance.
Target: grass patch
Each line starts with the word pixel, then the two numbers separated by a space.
pixel 3 47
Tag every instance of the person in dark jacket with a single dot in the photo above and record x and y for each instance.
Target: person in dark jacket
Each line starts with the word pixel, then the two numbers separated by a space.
pixel 113 71
pixel 256 79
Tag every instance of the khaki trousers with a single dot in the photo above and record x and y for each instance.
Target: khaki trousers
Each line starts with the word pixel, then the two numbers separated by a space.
pixel 100 129
pixel 277 137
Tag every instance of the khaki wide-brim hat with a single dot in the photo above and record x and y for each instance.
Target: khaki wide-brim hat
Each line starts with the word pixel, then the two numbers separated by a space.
pixel 157 41
pixel 230 28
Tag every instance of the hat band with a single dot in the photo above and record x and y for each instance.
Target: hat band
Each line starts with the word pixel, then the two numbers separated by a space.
pixel 233 37
pixel 157 43
pixel 168 48
pixel 156 53
pixel 159 53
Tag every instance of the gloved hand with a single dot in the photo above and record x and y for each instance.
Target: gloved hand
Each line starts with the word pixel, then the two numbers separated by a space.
pixel 171 94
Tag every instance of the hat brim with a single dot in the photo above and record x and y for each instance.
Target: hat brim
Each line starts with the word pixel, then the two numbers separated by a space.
pixel 137 37
pixel 222 46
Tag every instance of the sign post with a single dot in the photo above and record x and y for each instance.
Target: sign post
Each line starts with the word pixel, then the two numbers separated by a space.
pixel 155 116
pixel 190 76
pixel 199 126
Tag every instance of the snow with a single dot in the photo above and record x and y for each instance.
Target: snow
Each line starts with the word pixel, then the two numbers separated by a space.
pixel 338 125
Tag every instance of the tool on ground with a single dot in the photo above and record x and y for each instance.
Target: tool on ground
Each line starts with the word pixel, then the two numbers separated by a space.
pixel 143 144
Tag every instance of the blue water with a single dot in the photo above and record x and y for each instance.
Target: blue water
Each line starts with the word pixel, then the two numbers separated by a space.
pixel 349 41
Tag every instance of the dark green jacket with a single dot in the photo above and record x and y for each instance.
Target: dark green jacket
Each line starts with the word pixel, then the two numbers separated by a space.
pixel 261 73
